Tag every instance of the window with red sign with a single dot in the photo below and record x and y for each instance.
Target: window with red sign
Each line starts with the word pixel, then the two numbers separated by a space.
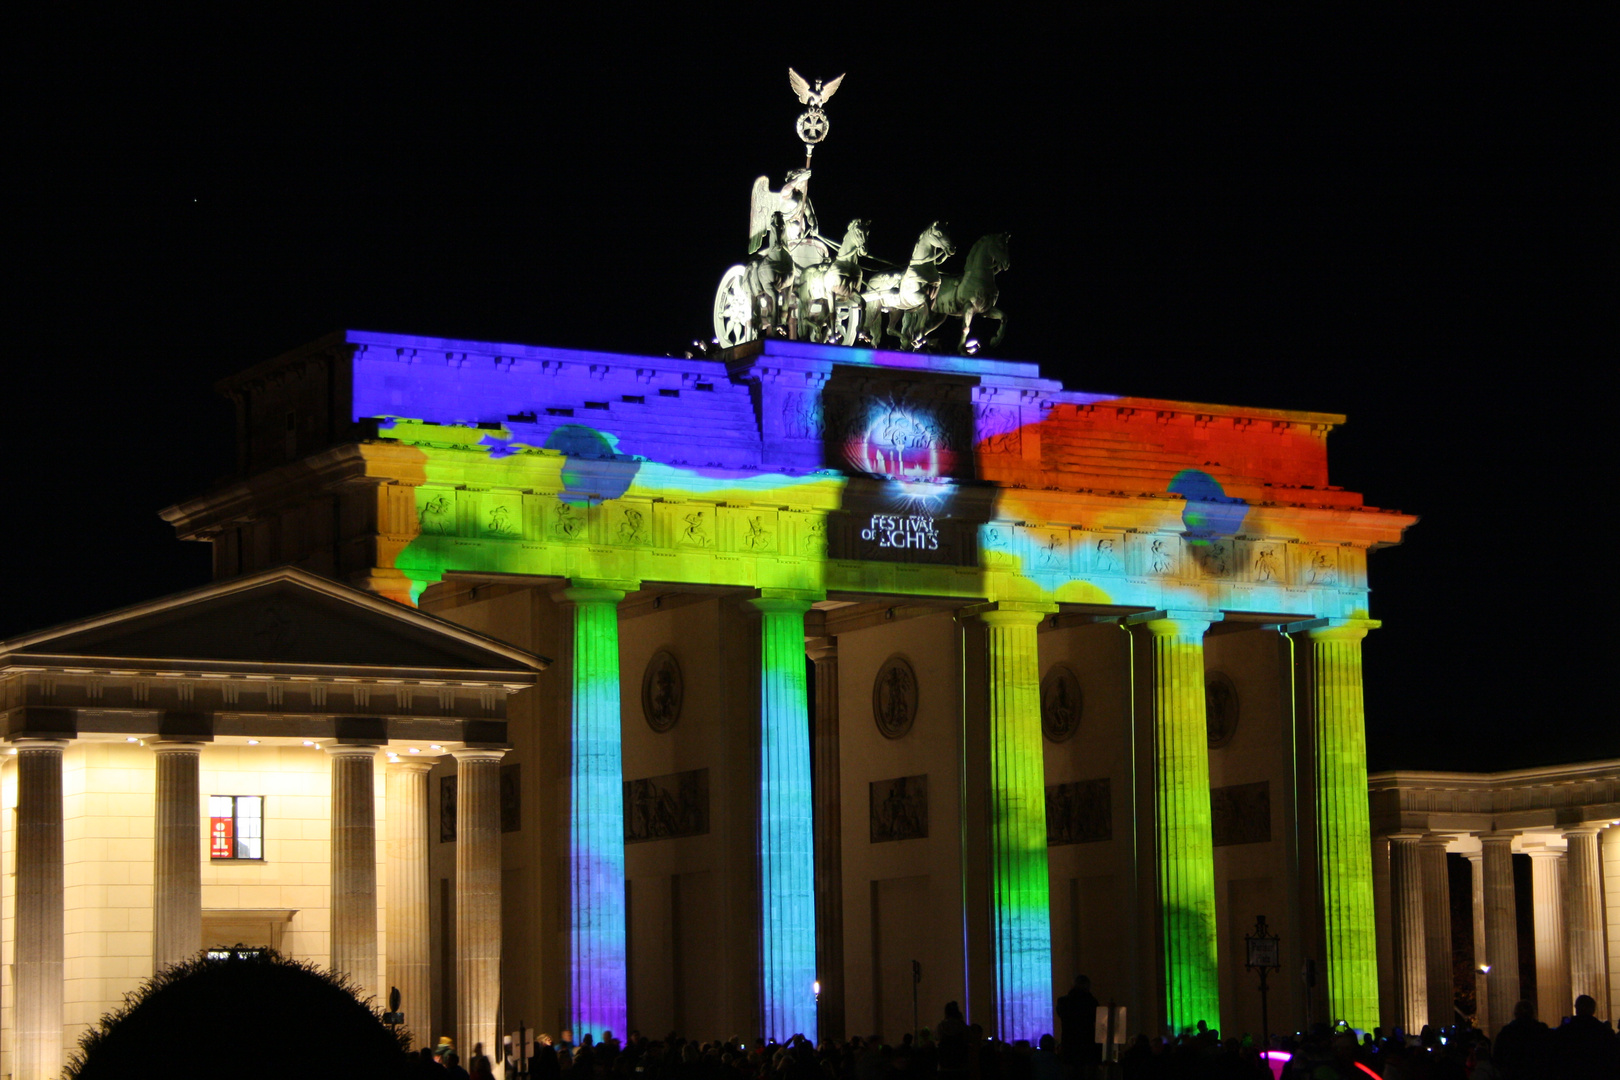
pixel 236 826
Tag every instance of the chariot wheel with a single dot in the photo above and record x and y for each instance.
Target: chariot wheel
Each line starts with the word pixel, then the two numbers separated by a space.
pixel 846 323
pixel 733 309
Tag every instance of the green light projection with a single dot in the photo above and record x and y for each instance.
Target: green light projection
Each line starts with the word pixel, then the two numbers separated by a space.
pixel 1020 886
pixel 1185 843
pixel 1343 825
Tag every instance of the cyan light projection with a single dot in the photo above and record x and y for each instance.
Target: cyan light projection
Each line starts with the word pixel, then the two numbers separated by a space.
pixel 802 469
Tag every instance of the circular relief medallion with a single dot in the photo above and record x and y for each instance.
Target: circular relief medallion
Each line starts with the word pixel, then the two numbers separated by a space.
pixel 894 697
pixel 1220 708
pixel 661 691
pixel 1061 703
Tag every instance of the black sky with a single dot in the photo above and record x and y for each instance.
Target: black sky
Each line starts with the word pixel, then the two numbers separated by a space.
pixel 1406 219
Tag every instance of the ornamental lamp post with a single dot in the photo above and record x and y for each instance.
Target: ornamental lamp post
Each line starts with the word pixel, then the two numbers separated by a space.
pixel 1263 956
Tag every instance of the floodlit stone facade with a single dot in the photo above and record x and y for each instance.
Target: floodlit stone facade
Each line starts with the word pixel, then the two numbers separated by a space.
pixel 1566 821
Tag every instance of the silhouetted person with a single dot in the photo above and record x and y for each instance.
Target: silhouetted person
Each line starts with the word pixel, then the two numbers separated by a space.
pixel 1584 1048
pixel 452 1065
pixel 1078 1012
pixel 1521 1046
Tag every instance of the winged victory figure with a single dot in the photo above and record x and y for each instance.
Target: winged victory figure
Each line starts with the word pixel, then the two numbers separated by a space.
pixel 816 96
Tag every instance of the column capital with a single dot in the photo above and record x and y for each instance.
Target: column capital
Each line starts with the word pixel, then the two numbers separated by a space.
pixel 1497 838
pixel 793 600
pixel 1543 853
pixel 351 749
pixel 478 753
pixel 599 589
pixel 1585 829
pixel 1433 839
pixel 24 745
pixel 1169 622
pixel 821 648
pixel 410 765
pixel 1010 612
pixel 175 746
pixel 1343 629
pixel 1406 836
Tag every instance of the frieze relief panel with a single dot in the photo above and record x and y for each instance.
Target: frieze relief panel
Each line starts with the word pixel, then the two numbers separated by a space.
pixel 1241 813
pixel 749 531
pixel 1104 553
pixel 1049 550
pixel 436 511
pixel 666 807
pixel 629 523
pixel 500 515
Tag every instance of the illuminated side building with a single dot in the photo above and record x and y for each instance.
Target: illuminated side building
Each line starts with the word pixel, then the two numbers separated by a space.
pixel 851 659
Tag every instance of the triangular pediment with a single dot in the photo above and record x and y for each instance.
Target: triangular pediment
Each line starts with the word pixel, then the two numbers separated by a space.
pixel 282 617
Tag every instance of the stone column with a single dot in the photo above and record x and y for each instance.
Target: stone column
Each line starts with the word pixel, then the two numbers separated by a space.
pixel 1552 954
pixel 409 931
pixel 478 900
pixel 1185 843
pixel 354 865
pixel 787 908
pixel 1020 902
pixel 176 854
pixel 1442 997
pixel 1343 827
pixel 829 843
pixel 598 984
pixel 1585 920
pixel 1501 928
pixel 1411 971
pixel 1482 1005
pixel 39 925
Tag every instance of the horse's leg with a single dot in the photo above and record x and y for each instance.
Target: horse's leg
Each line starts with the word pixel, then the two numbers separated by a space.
pixel 967 323
pixel 1001 324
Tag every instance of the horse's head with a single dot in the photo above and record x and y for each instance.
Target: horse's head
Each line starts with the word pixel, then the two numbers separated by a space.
pixel 933 245
pixel 855 237
pixel 998 250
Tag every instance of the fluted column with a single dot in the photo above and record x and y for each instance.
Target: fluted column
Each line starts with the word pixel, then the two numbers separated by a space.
pixel 1441 996
pixel 409 931
pixel 1411 970
pixel 1185 843
pixel 597 981
pixel 39 925
pixel 478 899
pixel 787 930
pixel 1020 903
pixel 354 865
pixel 829 843
pixel 1343 827
pixel 1482 1005
pixel 1501 928
pixel 176 854
pixel 1552 953
pixel 1583 884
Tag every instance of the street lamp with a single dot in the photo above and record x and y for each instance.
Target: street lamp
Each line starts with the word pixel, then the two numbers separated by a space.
pixel 1263 956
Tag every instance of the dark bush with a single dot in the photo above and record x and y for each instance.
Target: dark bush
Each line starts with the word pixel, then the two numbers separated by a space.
pixel 249 1014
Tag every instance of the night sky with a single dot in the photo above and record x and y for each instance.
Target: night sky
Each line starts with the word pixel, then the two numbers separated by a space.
pixel 1409 221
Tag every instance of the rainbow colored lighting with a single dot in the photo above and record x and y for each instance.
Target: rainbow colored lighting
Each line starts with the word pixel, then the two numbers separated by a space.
pixel 598 994
pixel 1185 842
pixel 1020 888
pixel 768 472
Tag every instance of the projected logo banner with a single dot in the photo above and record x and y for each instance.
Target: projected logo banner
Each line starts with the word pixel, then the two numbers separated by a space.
pixel 907 443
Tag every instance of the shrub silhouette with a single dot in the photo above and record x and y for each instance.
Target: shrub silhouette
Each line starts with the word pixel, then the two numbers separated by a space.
pixel 250 1014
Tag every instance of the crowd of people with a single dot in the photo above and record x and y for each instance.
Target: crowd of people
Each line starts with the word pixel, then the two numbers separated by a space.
pixel 1582 1048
